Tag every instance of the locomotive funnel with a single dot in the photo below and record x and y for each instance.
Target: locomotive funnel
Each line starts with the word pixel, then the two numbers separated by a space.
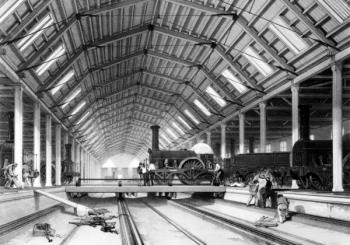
pixel 304 113
pixel 68 156
pixel 155 137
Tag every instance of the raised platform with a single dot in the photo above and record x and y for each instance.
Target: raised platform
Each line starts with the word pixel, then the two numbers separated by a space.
pixel 329 205
pixel 144 189
pixel 322 204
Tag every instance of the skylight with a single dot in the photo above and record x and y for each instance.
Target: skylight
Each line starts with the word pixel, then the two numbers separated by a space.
pixel 234 81
pixel 215 96
pixel 338 8
pixel 177 127
pixel 162 144
pixel 71 97
pixel 202 107
pixel 8 7
pixel 256 60
pixel 83 118
pixel 190 115
pixel 171 132
pixel 35 32
pixel 289 37
pixel 166 138
pixel 184 122
pixel 78 108
pixel 63 80
pixel 50 60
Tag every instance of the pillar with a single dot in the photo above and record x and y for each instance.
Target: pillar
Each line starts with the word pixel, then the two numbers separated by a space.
pixel 36 143
pixel 88 165
pixel 337 125
pixel 48 143
pixel 295 114
pixel 233 147
pixel 18 139
pixel 73 150
pixel 58 154
pixel 251 144
pixel 241 132
pixel 65 141
pixel 77 157
pixel 83 163
pixel 262 107
pixel 223 141
pixel 208 138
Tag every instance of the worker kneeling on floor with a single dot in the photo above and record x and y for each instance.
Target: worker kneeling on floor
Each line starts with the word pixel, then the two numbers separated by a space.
pixel 282 208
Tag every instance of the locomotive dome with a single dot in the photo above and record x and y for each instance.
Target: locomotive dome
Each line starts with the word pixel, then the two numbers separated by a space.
pixel 202 148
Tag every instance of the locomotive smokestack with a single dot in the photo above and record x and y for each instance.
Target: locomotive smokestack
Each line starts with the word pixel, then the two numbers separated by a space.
pixel 304 113
pixel 68 152
pixel 155 137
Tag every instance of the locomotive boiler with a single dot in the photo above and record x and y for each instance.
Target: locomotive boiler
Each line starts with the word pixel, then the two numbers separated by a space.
pixel 310 162
pixel 184 165
pixel 312 159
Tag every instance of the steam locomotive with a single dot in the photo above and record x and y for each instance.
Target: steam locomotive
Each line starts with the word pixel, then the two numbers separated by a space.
pixel 310 162
pixel 184 165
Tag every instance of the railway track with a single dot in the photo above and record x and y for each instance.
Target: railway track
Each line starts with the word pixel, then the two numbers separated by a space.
pixel 187 233
pixel 263 233
pixel 129 232
pixel 20 223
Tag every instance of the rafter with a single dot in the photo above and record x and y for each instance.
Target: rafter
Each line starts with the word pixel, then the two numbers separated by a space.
pixel 219 49
pixel 36 56
pixel 28 19
pixel 239 20
pixel 316 31
pixel 111 7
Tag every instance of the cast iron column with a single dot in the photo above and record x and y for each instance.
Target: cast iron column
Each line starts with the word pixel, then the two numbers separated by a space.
pixel 337 124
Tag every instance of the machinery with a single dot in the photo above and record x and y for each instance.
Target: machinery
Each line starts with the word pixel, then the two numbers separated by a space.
pixel 247 165
pixel 67 168
pixel 184 165
pixel 311 160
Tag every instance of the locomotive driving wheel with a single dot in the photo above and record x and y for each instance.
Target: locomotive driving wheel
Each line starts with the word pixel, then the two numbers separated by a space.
pixel 190 168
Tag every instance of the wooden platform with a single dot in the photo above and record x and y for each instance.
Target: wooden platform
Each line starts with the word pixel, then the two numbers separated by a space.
pixel 144 189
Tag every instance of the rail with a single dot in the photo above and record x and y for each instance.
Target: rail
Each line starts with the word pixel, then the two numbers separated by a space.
pixel 191 236
pixel 138 181
pixel 21 222
pixel 130 234
pixel 249 228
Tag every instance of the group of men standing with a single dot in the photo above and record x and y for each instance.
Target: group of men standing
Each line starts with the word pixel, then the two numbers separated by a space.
pixel 260 189
pixel 146 172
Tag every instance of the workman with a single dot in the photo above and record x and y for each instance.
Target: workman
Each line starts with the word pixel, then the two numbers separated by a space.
pixel 253 189
pixel 11 177
pixel 282 208
pixel 152 172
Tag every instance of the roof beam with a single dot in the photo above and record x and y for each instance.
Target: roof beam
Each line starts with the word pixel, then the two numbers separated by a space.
pixel 111 7
pixel 48 44
pixel 51 81
pixel 323 63
pixel 15 32
pixel 243 24
pixel 218 49
pixel 316 31
pixel 190 64
pixel 54 79
pixel 178 81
